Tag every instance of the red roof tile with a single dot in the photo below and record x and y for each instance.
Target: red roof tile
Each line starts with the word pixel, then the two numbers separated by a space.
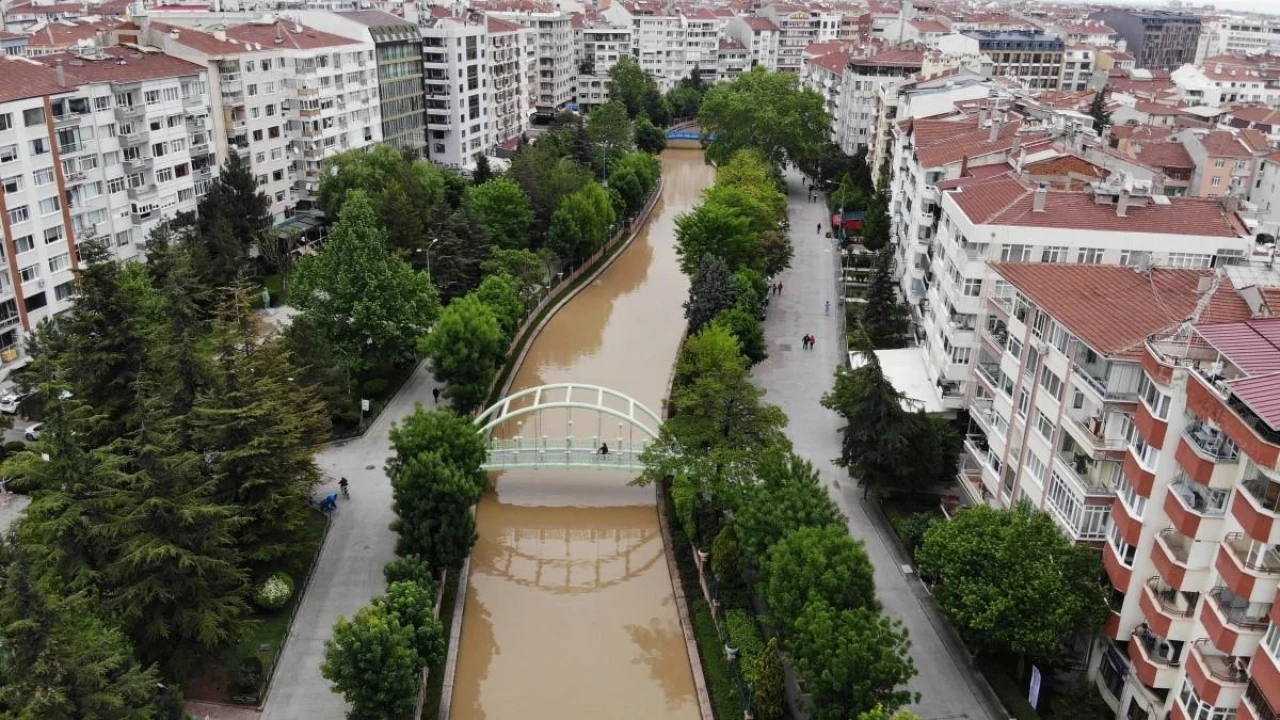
pixel 1166 155
pixel 1221 143
pixel 255 38
pixel 1005 200
pixel 974 143
pixel 22 78
pixel 1112 308
pixel 121 65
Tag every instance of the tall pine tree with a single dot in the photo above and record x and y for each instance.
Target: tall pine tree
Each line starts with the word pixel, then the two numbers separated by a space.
pixel 231 216
pixel 257 428
pixel 884 318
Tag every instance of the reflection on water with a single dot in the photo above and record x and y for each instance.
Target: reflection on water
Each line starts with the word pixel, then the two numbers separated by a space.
pixel 569 610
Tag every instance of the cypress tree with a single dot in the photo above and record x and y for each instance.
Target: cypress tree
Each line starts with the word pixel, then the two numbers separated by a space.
pixel 884 318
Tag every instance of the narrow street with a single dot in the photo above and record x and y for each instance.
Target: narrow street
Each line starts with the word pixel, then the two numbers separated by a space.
pixel 349 573
pixel 795 379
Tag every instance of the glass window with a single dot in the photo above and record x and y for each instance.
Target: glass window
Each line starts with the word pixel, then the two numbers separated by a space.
pixel 50 205
pixel 19 214
pixel 24 243
pixel 65 291
pixel 60 262
pixel 33 116
pixel 12 184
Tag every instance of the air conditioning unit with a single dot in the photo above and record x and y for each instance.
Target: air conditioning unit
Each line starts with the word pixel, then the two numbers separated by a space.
pixel 40 283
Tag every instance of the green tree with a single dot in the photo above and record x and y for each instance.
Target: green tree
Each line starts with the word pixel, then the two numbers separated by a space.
pixel 1098 109
pixel 649 137
pixel 710 293
pixel 788 495
pixel 432 501
pixel 505 209
pixel 769 697
pixel 377 169
pixel 257 428
pixel 411 568
pixel 498 293
pixel 547 177
pixel 775 252
pixel 581 224
pixel 854 660
pixel 988 566
pixel 817 563
pixel 877 435
pixel 367 305
pixel 714 229
pixel 465 347
pixel 179 585
pixel 411 605
pixel 62 661
pixel 623 181
pixel 483 173
pixel 230 217
pixel 884 317
pixel 610 133
pixel 464 244
pixel 523 269
pixel 766 111
pixel 372 662
pixel 747 330
pixel 452 435
pixel 630 84
pixel 749 171
pixel 876 224
pixel 684 102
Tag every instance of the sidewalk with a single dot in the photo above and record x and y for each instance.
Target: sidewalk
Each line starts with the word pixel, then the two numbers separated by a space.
pixel 349 573
pixel 795 380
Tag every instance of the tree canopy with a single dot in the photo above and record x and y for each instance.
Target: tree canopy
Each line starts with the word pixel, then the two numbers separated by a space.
pixel 766 111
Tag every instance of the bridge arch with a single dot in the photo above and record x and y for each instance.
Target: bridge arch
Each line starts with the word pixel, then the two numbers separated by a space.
pixel 567 450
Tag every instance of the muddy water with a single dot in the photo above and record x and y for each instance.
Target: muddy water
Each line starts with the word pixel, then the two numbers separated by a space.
pixel 569 611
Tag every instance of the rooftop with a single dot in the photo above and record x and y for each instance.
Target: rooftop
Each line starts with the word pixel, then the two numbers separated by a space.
pixel 118 64
pixel 1006 201
pixel 22 78
pixel 1165 155
pixel 1252 346
pixel 254 37
pixel 1112 308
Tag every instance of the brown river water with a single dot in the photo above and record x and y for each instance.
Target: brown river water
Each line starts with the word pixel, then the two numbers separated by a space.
pixel 569 611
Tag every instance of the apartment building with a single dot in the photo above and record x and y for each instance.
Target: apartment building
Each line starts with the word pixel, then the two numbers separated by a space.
pixel 1077 67
pixel 1092 34
pixel 1032 58
pixel 398 63
pixel 864 81
pixel 1138 408
pixel 556 72
pixel 759 36
pixel 919 98
pixel 824 74
pixel 599 47
pixel 97 146
pixel 701 29
pixel 1225 79
pixel 1225 160
pixel 1237 35
pixel 1157 39
pixel 800 26
pixel 513 70
pixel 657 38
pixel 1007 218
pixel 732 60
pixel 284 96
pixel 457 89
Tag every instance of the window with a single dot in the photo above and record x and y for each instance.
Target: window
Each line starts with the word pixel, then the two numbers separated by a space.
pixel 1156 401
pixel 1124 551
pixel 151 97
pixel 1024 401
pixel 1198 709
pixel 1148 456
pixel 115 185
pixel 40 146
pixel 1217 181
pixel 159 149
pixel 50 205
pixel 1220 163
pixel 1089 256
pixel 58 263
pixel 973 287
pixel 102 103
pixel 122 238
pixel 1014 347
pixel 1053 254
pixel 1272 640
pixel 1015 253
pixel 8 153
pixel 1133 502
pixel 136 180
pixel 12 184
pixel 164 174
pixel 6 121
pixel 37 301
pixel 1035 468
pixel 961 355
pixel 1044 426
pixel 53 235
pixel 30 272
pixel 174 121
pixel 24 243
pixel 65 291
pixel 19 214
pixel 253 89
pixel 1190 260
pixel 111 159
pixel 33 116
pixel 1051 383
pixel 262 180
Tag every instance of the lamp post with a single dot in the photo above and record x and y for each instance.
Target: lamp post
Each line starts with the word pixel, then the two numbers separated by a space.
pixel 427 250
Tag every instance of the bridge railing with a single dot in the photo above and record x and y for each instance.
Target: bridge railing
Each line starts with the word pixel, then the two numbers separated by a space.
pixel 520 452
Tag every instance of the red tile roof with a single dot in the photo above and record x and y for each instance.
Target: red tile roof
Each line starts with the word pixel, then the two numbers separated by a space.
pixel 255 38
pixel 831 62
pixel 21 78
pixel 975 143
pixel 1221 143
pixel 1112 308
pixel 1005 200
pixel 759 23
pixel 121 65
pixel 498 26
pixel 897 57
pixel 1253 346
pixel 63 34
pixel 930 26
pixel 1166 155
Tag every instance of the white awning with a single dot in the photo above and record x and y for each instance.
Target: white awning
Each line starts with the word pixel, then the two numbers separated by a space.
pixel 906 371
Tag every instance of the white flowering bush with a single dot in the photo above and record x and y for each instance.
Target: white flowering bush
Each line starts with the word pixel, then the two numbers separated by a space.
pixel 274 592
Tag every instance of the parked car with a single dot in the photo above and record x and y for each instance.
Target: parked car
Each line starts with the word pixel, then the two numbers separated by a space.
pixel 33 432
pixel 9 403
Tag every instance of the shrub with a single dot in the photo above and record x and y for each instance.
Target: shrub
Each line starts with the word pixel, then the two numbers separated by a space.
pixel 246 686
pixel 726 558
pixel 911 530
pixel 14 446
pixel 274 592
pixel 375 389
pixel 411 568
pixel 745 636
pixel 684 497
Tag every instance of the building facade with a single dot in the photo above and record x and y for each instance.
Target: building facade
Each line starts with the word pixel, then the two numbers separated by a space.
pixel 457 89
pixel 1032 58
pixel 1158 40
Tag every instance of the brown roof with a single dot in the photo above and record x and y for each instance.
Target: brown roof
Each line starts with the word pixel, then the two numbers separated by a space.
pixel 930 26
pixel 255 38
pixel 831 62
pixel 61 34
pixel 1253 346
pixel 1112 308
pixel 499 26
pixel 1221 143
pixel 904 57
pixel 1004 200
pixel 1166 155
pixel 974 143
pixel 374 18
pixel 759 23
pixel 121 65
pixel 21 78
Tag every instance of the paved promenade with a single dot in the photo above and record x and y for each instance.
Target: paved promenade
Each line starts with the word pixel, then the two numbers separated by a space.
pixel 795 380
pixel 360 542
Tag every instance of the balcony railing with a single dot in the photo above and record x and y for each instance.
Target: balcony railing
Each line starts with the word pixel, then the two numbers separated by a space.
pixel 1258 702
pixel 1171 602
pixel 1179 545
pixel 1237 612
pixel 1253 556
pixel 1223 668
pixel 1212 442
pixel 1200 499
pixel 1157 649
pixel 1264 492
pixel 1090 477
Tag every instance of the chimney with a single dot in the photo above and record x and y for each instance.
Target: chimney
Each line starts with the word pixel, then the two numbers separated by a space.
pixel 1042 194
pixel 1122 203
pixel 1230 202
pixel 1017 142
pixel 995 130
pixel 62 74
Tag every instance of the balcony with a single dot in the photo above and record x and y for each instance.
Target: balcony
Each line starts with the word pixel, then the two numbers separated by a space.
pixel 1096 478
pixel 1180 560
pixel 1217 677
pixel 1233 624
pixel 1209 397
pixel 1211 443
pixel 1257 706
pixel 1168 612
pixel 134 139
pixel 144 191
pixel 1156 660
pixel 1110 381
pixel 125 113
pixel 139 163
pixel 1257 508
pixel 1249 568
pixel 67 121
pixel 1195 510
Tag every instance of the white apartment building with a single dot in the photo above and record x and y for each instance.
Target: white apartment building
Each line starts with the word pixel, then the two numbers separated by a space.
pixel 1237 35
pixel 701 30
pixel 1003 218
pixel 284 96
pixel 732 60
pixel 599 48
pixel 98 146
pixel 556 72
pixel 759 36
pixel 657 38
pixel 1077 67
pixel 1225 80
pixel 456 76
pixel 825 75
pixel 865 80
pixel 513 69
pixel 800 26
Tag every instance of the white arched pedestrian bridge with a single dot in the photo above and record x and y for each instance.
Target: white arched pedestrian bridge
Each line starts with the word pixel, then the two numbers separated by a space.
pixel 567 425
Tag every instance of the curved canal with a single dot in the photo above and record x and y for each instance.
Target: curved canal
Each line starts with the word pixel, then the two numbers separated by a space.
pixel 569 609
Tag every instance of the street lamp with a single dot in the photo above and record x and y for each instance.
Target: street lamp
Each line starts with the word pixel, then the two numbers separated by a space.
pixel 427 250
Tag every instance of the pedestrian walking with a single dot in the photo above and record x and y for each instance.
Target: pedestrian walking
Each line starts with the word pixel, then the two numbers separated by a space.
pixel 819 228
pixel 812 341
pixel 779 287
pixel 804 342
pixel 435 395
pixel 828 310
